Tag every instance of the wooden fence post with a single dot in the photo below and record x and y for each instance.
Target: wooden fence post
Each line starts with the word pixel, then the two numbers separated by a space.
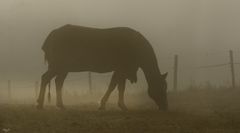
pixel 9 90
pixel 175 73
pixel 36 88
pixel 90 81
pixel 232 68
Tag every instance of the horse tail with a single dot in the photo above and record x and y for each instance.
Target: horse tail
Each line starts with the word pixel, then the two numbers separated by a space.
pixel 47 46
pixel 45 59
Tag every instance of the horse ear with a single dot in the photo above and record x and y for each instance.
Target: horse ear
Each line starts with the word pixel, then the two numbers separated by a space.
pixel 165 75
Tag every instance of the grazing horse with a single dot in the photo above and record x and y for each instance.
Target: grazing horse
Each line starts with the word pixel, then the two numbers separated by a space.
pixel 120 50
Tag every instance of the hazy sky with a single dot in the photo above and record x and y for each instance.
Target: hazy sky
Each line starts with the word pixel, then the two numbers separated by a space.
pixel 201 32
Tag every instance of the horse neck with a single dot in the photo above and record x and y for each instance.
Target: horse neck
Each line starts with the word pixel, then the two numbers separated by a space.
pixel 152 74
pixel 149 64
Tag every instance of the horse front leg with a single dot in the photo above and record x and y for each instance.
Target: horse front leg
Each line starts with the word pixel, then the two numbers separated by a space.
pixel 111 87
pixel 59 85
pixel 121 90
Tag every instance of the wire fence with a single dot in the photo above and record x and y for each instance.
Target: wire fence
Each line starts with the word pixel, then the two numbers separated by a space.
pixel 230 64
pixel 176 73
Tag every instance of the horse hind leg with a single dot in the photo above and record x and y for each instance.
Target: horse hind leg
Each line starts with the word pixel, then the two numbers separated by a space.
pixel 59 85
pixel 45 79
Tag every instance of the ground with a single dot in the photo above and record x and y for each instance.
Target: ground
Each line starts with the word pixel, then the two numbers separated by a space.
pixel 205 111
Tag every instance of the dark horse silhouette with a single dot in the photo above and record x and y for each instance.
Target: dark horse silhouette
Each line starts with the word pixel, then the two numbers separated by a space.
pixel 119 50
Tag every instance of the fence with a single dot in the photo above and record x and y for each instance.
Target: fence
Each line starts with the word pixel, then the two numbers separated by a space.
pixel 11 86
pixel 231 64
pixel 176 75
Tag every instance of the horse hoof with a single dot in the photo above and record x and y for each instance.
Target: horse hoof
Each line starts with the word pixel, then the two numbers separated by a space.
pixel 61 108
pixel 101 108
pixel 163 109
pixel 39 107
pixel 123 107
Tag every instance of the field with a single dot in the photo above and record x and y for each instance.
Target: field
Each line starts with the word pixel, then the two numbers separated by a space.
pixel 192 111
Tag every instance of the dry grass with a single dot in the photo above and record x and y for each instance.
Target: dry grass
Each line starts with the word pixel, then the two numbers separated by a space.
pixel 205 111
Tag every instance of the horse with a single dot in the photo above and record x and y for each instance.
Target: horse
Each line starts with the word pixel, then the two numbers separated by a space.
pixel 120 50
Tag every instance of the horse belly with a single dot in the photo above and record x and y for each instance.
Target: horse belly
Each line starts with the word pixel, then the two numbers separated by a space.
pixel 76 65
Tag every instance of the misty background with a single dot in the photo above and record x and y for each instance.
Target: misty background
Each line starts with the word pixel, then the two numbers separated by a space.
pixel 200 32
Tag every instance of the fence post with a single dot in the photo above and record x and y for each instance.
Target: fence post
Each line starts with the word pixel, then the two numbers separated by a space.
pixel 36 88
pixel 9 90
pixel 232 68
pixel 90 81
pixel 175 73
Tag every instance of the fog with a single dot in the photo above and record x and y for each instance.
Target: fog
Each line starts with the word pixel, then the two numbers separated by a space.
pixel 200 32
